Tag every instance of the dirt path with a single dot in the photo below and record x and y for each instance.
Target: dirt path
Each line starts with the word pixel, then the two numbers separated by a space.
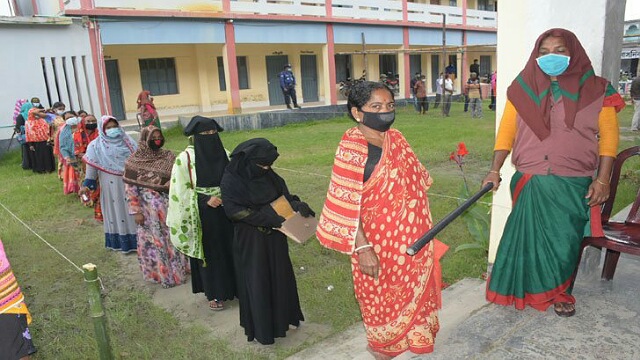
pixel 192 309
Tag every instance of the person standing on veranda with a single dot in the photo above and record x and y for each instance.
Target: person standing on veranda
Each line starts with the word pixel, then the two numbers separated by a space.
pixel 560 123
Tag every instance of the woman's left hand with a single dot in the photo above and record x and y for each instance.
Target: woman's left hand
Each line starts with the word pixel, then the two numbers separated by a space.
pixel 598 192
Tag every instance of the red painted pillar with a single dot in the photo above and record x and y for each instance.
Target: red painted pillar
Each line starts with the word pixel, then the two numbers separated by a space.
pixel 407 65
pixel 405 46
pixel 465 67
pixel 331 86
pixel 99 68
pixel 233 82
pixel 226 6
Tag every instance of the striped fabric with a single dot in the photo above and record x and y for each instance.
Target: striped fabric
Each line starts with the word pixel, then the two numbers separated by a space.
pixel 10 294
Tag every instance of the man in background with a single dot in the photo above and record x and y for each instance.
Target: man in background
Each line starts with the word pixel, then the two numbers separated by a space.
pixel 288 86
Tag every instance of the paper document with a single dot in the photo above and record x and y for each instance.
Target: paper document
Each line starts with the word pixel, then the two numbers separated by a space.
pixel 297 227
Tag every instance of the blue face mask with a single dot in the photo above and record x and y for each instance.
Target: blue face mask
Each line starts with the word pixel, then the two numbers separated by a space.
pixel 553 64
pixel 113 132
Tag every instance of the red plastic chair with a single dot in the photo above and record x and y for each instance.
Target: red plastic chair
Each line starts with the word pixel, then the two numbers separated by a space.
pixel 618 237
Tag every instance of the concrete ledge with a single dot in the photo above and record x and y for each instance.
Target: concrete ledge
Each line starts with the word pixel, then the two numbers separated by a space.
pixel 268 119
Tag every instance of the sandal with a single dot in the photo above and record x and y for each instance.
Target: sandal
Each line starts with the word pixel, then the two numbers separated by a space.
pixel 216 305
pixel 564 309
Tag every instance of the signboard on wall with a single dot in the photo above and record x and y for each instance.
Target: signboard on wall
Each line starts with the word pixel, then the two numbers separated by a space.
pixel 630 53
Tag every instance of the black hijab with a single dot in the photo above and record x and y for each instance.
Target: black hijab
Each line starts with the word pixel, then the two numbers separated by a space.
pixel 211 158
pixel 255 185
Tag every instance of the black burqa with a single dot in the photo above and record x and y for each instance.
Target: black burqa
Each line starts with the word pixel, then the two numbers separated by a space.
pixel 217 278
pixel 267 287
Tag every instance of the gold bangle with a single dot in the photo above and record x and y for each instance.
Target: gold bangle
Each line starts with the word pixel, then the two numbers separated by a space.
pixel 495 172
pixel 600 182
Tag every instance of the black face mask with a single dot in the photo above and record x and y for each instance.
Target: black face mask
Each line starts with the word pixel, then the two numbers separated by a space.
pixel 91 126
pixel 156 144
pixel 255 171
pixel 378 121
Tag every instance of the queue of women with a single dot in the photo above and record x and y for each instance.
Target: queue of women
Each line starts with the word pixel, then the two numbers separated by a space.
pixel 208 211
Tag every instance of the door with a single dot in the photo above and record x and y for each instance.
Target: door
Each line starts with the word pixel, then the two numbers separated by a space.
pixel 309 74
pixel 275 65
pixel 485 66
pixel 415 65
pixel 388 65
pixel 115 89
pixel 435 71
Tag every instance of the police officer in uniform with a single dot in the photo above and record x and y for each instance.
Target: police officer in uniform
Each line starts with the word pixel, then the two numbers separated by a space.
pixel 288 86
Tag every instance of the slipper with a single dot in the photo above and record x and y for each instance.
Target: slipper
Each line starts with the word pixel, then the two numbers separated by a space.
pixel 561 309
pixel 216 305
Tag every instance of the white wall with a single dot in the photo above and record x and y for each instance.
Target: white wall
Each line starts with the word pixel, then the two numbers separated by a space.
pixel 24 44
pixel 521 22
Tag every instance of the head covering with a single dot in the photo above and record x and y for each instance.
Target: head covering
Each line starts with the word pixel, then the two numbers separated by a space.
pixel 211 157
pixel 72 121
pixel 199 124
pixel 17 109
pixel 143 98
pixel 24 110
pixel 109 154
pixel 251 183
pixel 35 99
pixel 147 167
pixel 530 92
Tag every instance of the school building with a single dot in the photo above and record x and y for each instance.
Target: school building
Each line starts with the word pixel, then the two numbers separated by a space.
pixel 199 56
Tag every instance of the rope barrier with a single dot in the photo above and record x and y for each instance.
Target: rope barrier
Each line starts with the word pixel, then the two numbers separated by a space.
pixel 41 238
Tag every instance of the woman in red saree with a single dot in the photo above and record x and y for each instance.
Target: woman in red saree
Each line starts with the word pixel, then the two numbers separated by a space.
pixel 376 207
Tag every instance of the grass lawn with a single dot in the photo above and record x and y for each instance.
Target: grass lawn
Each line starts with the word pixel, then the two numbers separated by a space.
pixel 56 293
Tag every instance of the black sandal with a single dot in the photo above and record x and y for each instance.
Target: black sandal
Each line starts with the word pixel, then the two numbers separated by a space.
pixel 562 309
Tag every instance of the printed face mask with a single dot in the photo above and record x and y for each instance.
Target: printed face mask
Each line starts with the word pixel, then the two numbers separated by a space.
pixel 156 144
pixel 113 132
pixel 553 64
pixel 379 121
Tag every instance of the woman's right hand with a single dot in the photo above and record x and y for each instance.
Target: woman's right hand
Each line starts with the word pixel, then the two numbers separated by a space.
pixel 368 262
pixel 83 190
pixel 493 177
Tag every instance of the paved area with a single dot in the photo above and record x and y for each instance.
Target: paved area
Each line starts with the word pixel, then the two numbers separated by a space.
pixel 606 324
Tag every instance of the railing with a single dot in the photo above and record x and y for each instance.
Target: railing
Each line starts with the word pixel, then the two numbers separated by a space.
pixel 426 13
pixel 482 18
pixel 280 7
pixel 165 5
pixel 385 10
pixel 370 9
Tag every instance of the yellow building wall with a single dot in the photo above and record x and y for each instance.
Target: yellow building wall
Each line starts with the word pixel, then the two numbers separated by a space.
pixel 186 73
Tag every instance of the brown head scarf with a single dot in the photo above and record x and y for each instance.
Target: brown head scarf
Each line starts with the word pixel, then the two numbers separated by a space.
pixel 147 167
pixel 144 98
pixel 531 95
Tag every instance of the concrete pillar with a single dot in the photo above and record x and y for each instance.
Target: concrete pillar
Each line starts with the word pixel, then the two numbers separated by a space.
pixel 329 66
pixel 203 58
pixel 598 27
pixel 231 69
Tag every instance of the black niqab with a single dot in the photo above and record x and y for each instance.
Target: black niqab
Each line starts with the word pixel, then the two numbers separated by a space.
pixel 211 158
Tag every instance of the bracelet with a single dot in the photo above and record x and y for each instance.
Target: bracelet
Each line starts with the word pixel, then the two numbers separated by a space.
pixel 365 246
pixel 495 172
pixel 600 182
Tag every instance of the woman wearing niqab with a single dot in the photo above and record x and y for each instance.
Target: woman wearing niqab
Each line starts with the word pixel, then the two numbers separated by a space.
pixel 198 225
pixel 267 287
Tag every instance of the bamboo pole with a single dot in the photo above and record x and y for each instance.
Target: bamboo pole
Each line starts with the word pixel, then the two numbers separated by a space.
pixel 97 311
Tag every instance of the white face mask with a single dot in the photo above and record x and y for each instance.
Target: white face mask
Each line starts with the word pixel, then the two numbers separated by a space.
pixel 36 104
pixel 59 112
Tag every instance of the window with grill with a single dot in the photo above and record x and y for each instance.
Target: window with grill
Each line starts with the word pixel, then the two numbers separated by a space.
pixel 159 76
pixel 243 73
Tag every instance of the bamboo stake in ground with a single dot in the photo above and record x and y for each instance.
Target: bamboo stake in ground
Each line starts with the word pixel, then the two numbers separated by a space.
pixel 97 312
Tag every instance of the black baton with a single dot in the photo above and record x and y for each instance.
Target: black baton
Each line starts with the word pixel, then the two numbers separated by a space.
pixel 424 240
